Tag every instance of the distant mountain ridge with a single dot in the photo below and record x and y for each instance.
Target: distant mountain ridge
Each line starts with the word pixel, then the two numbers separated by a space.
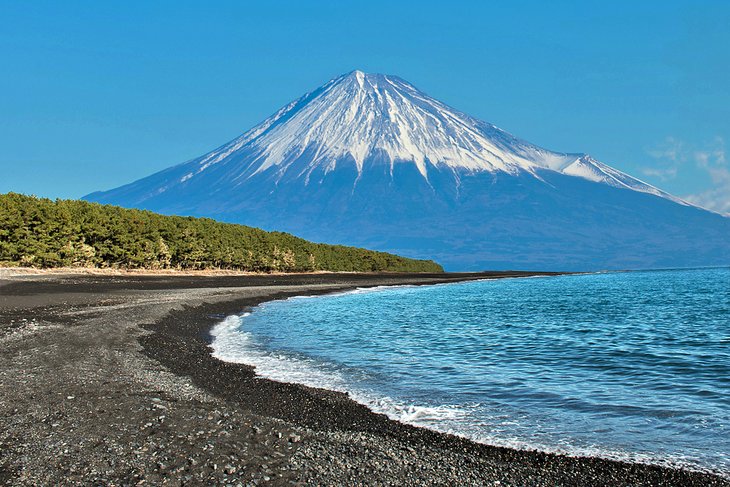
pixel 368 159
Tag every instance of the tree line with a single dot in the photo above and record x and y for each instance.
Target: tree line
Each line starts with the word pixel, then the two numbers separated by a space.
pixel 39 232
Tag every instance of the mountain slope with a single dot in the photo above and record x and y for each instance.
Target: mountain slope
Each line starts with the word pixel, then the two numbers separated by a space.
pixel 368 159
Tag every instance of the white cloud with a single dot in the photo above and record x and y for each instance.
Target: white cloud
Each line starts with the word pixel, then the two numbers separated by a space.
pixel 714 161
pixel 671 150
pixel 669 155
pixel 664 174
pixel 715 199
pixel 673 155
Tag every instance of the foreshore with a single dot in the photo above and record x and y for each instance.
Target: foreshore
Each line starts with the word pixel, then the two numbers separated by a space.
pixel 109 380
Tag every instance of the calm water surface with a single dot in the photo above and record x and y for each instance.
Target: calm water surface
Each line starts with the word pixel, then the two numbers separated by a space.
pixel 623 365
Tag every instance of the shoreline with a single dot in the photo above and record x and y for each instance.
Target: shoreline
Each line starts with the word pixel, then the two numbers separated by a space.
pixel 322 436
pixel 449 436
pixel 250 309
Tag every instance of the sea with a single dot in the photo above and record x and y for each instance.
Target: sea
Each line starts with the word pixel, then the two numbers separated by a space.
pixel 632 366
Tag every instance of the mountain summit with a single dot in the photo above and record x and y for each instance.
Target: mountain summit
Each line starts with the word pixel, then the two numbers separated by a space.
pixel 381 119
pixel 368 159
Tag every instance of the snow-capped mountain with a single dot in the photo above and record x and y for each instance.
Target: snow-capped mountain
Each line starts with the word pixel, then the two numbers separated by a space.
pixel 359 117
pixel 368 159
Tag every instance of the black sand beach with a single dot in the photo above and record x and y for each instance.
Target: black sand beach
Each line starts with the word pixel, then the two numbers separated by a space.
pixel 108 380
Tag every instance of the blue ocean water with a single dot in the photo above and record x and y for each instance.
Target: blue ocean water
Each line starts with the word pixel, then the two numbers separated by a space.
pixel 633 366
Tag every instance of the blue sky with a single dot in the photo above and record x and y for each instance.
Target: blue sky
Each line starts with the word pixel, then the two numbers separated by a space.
pixel 97 94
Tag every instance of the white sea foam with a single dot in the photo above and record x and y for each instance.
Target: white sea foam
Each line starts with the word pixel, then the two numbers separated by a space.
pixel 358 290
pixel 232 344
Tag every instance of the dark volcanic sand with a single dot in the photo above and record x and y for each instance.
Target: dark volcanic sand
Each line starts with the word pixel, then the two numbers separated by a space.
pixel 109 380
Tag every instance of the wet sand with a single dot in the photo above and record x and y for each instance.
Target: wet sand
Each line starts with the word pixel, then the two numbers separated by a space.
pixel 109 380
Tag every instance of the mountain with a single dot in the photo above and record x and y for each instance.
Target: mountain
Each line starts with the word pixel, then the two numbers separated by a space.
pixel 369 160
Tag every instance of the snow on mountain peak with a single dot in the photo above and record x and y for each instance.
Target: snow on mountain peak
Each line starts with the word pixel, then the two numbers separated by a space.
pixel 360 116
pixel 382 119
